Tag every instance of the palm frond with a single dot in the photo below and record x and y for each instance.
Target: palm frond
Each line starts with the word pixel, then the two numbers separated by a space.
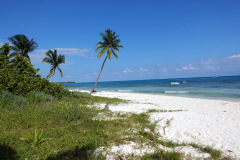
pixel 99 48
pixel 102 51
pixel 114 54
pixel 60 71
pixel 54 55
pixel 99 44
pixel 49 53
pixel 61 59
pixel 109 54
pixel 52 72
pixel 119 46
pixel 47 60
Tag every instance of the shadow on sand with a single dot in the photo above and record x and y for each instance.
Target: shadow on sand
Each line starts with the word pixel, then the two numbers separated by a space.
pixel 84 153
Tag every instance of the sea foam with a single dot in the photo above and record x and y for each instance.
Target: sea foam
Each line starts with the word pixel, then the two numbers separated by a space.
pixel 175 83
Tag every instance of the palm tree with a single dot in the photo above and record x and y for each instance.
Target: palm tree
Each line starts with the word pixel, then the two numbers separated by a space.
pixel 55 60
pixel 110 45
pixel 22 45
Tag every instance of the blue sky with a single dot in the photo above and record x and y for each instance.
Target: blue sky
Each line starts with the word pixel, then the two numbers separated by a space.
pixel 161 38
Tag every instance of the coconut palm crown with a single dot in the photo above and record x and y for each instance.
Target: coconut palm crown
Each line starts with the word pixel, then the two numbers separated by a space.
pixel 110 44
pixel 22 45
pixel 55 60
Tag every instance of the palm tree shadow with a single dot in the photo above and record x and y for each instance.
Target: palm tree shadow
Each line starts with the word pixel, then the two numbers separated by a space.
pixel 84 153
pixel 7 152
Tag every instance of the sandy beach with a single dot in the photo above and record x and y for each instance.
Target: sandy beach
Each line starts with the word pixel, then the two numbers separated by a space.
pixel 214 123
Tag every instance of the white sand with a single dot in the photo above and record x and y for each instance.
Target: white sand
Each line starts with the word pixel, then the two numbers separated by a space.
pixel 214 123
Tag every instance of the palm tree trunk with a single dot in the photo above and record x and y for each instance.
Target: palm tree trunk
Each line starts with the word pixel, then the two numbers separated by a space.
pixel 98 75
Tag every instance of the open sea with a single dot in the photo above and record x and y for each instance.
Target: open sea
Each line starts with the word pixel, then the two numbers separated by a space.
pixel 227 88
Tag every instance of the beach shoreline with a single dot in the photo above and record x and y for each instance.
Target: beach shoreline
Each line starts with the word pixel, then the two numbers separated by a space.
pixel 214 123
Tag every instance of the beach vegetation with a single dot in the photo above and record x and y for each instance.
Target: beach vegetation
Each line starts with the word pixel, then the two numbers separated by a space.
pixel 163 155
pixel 54 60
pixel 216 154
pixel 22 45
pixel 19 77
pixel 73 127
pixel 111 45
pixel 37 139
pixel 69 123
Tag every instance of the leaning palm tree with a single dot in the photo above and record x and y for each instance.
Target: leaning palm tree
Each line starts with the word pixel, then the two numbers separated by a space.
pixel 55 60
pixel 22 45
pixel 110 45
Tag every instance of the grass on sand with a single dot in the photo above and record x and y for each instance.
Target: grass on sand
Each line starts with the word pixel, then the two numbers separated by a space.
pixel 44 127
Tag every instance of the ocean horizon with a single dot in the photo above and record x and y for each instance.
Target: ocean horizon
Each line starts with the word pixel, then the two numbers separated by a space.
pixel 222 87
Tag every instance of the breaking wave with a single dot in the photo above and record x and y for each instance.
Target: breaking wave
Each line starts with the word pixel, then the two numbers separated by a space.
pixel 176 92
pixel 175 83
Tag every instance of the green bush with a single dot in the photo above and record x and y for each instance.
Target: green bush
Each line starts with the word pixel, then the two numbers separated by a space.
pixel 34 96
pixel 5 99
pixel 81 94
pixel 19 77
pixel 8 99
pixel 71 111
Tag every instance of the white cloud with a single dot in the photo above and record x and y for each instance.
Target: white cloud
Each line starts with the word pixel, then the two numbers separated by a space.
pixel 234 56
pixel 190 67
pixel 164 70
pixel 68 62
pixel 73 51
pixel 160 69
pixel 143 70
pixel 211 68
pixel 38 55
pixel 208 62
pixel 127 71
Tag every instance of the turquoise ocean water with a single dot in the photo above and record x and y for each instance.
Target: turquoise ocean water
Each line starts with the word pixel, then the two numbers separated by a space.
pixel 205 87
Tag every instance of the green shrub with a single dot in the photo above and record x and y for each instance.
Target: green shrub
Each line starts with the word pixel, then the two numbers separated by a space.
pixel 8 99
pixel 5 98
pixel 34 96
pixel 81 94
pixel 72 111
pixel 19 77
pixel 19 101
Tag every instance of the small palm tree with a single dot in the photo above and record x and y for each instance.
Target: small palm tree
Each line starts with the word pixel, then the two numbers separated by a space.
pixel 110 45
pixel 22 45
pixel 55 60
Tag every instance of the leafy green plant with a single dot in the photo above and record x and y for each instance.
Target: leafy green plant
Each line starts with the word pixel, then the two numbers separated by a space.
pixel 81 94
pixel 35 96
pixel 163 155
pixel 19 77
pixel 8 99
pixel 37 139
pixel 71 111
pixel 19 101
pixel 5 98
